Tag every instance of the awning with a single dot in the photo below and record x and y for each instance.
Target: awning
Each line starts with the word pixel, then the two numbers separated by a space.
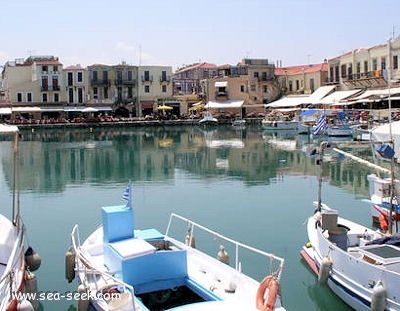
pixel 26 109
pixel 288 101
pixel 224 104
pixel 375 95
pixel 221 84
pixel 49 109
pixel 5 110
pixel 308 112
pixel 335 98
pixel 320 93
pixel 5 128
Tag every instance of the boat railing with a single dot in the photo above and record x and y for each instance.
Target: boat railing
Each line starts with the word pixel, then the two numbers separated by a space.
pixel 16 258
pixel 276 263
pixel 86 266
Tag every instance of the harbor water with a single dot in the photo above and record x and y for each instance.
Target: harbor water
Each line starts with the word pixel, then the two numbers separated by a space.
pixel 253 186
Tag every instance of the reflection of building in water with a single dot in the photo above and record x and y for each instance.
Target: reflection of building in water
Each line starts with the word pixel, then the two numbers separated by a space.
pixel 59 158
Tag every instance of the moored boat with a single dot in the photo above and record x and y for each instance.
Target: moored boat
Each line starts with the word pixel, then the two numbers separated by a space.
pixel 124 268
pixel 208 119
pixel 16 259
pixel 359 264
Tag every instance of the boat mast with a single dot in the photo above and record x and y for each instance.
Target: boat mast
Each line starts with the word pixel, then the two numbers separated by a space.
pixel 15 187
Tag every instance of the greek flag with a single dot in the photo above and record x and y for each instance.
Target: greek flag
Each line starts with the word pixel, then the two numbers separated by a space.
pixel 321 124
pixel 127 195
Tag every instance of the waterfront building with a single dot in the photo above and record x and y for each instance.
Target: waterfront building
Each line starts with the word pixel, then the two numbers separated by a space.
pixel 32 88
pixel 366 67
pixel 302 79
pixel 154 89
pixel 242 89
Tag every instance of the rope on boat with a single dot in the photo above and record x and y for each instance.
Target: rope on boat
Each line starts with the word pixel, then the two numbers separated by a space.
pixel 367 163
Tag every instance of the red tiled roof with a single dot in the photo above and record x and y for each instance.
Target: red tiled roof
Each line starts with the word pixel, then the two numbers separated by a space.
pixel 199 65
pixel 296 70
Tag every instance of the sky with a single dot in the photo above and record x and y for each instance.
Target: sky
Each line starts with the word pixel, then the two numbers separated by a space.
pixel 178 33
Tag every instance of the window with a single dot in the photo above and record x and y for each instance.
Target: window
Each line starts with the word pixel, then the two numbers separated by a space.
pixel 252 87
pixel 45 82
pixel 56 97
pixel 297 85
pixel 130 75
pixel 164 88
pixel 70 78
pixel 55 68
pixel 265 89
pixel 350 71
pixel 80 95
pixel 44 69
pixel 242 88
pixel 264 76
pixel 130 92
pixel 95 93
pixel 358 67
pixel 336 73
pixel 383 63
pixel 395 62
pixel 375 64
pixel 147 75
pixel 312 85
pixel 343 71
pixel 119 75
pixel 105 92
pixel 55 83
pixel 19 97
pixel 105 75
pixel 365 66
pixel 290 86
pixel 80 76
pixel 331 74
pixel 44 97
pixel 29 97
pixel 163 76
pixel 95 76
pixel 71 95
pixel 147 88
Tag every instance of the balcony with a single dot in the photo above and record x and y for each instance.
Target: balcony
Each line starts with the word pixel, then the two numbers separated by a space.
pixel 147 79
pixel 370 78
pixel 98 82
pixel 124 82
pixel 166 79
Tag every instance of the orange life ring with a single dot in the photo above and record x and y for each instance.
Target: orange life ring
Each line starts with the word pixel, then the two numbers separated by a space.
pixel 272 284
pixel 383 222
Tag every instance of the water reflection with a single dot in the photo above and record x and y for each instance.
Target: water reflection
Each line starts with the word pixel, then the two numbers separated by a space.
pixel 51 159
pixel 239 180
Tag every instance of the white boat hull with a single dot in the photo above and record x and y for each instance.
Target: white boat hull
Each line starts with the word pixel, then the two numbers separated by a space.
pixel 354 270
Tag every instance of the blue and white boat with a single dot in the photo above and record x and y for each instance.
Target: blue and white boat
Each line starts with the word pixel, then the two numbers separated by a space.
pixel 120 267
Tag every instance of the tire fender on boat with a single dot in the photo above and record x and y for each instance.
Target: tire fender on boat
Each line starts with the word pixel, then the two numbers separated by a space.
pixel 323 273
pixel 378 299
pixel 32 259
pixel 270 287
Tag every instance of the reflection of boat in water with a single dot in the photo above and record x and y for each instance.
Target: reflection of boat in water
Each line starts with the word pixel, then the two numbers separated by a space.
pixel 221 143
pixel 239 123
pixel 146 270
